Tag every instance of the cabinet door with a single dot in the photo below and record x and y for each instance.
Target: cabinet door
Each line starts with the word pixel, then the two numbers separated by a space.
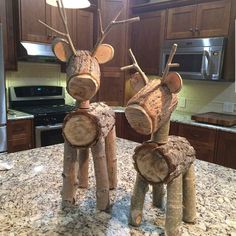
pixel 174 128
pixel 146 40
pixel 19 135
pixel 213 19
pixel 226 149
pixel 202 139
pixel 83 30
pixel 30 12
pixel 181 22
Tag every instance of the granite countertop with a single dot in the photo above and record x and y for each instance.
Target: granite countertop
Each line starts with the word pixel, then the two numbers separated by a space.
pixel 30 201
pixel 18 115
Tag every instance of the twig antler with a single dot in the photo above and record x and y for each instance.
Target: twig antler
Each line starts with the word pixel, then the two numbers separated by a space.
pixel 135 66
pixel 108 28
pixel 63 16
pixel 169 63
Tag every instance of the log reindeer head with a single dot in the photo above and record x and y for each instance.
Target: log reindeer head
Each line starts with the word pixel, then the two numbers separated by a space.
pixel 83 71
pixel 149 109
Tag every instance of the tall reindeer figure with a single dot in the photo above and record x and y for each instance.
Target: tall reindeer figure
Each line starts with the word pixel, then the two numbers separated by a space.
pixel 165 159
pixel 89 125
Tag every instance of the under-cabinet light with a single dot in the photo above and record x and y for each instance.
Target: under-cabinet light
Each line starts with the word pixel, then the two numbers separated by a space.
pixel 70 3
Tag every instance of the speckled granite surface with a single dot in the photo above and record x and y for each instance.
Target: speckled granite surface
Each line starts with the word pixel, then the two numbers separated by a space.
pixel 30 202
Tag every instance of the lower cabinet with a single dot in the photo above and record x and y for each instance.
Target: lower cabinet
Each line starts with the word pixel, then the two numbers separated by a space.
pixel 202 139
pixel 19 135
pixel 226 149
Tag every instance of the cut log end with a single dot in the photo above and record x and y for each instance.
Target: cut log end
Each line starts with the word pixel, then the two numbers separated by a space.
pixel 82 87
pixel 80 131
pixel 138 119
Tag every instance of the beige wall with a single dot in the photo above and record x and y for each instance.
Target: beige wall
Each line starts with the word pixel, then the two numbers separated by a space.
pixel 37 74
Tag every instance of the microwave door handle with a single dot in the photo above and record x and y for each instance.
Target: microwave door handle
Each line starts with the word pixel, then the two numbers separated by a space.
pixel 206 62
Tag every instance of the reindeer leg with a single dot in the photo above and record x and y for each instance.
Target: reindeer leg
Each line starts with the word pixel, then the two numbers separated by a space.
pixel 83 158
pixel 101 175
pixel 158 196
pixel 189 196
pixel 70 170
pixel 110 147
pixel 137 201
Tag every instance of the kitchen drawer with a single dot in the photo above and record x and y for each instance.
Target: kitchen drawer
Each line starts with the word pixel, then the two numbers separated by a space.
pixel 202 139
pixel 16 145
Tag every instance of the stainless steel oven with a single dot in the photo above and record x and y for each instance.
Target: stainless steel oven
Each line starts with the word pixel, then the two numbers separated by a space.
pixel 198 58
pixel 46 135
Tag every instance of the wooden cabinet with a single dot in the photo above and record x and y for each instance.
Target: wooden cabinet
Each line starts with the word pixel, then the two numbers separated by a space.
pixel 174 128
pixel 201 20
pixel 30 12
pixel 201 138
pixel 226 149
pixel 9 40
pixel 19 135
pixel 146 40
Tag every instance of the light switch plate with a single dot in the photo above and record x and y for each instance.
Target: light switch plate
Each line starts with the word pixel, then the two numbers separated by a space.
pixel 182 102
pixel 228 107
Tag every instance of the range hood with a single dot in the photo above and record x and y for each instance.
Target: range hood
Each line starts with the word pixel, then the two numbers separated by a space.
pixel 35 52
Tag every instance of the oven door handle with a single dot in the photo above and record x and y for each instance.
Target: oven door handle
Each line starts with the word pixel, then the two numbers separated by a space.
pixel 48 127
pixel 206 64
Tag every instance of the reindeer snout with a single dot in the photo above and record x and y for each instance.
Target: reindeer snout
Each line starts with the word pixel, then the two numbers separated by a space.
pixel 83 79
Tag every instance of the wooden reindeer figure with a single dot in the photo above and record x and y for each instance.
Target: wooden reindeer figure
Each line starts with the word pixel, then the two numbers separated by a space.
pixel 165 159
pixel 89 125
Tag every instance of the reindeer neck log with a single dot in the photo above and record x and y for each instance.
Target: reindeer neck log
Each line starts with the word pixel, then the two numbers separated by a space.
pixel 83 128
pixel 162 163
pixel 150 108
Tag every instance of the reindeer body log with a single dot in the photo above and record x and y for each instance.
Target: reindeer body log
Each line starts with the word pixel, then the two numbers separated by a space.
pixel 150 108
pixel 83 127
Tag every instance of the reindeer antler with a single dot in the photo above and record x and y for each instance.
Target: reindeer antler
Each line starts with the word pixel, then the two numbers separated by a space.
pixel 169 63
pixel 108 28
pixel 135 66
pixel 63 16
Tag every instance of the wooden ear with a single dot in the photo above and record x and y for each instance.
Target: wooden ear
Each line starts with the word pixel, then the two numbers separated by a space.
pixel 174 82
pixel 104 53
pixel 61 49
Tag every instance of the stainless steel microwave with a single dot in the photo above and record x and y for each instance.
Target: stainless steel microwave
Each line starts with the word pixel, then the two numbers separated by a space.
pixel 200 58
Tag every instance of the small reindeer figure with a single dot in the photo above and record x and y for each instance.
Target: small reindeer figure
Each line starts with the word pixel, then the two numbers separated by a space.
pixel 165 159
pixel 90 125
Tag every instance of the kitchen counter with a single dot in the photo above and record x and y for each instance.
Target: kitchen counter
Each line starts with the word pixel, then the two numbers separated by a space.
pixel 31 203
pixel 185 118
pixel 18 115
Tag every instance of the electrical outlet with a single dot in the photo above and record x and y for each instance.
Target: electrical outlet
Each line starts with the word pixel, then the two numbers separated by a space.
pixel 182 102
pixel 228 107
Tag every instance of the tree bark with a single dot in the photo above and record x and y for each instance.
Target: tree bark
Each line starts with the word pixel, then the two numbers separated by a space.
pixel 82 128
pixel 83 159
pixel 137 201
pixel 150 108
pixel 83 76
pixel 158 196
pixel 162 163
pixel 101 175
pixel 189 196
pixel 110 145
pixel 174 207
pixel 70 171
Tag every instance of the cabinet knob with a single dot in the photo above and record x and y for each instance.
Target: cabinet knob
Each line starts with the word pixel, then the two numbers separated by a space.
pixel 191 30
pixel 197 29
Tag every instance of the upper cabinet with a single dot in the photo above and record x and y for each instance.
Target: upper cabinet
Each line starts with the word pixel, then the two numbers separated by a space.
pixel 146 40
pixel 80 23
pixel 201 20
pixel 9 41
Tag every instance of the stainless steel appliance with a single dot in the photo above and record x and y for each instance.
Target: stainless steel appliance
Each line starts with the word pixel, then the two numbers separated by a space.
pixel 198 58
pixel 3 114
pixel 47 104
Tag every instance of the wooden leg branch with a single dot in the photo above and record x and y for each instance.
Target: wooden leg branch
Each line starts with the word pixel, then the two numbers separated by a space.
pixel 189 196
pixel 70 171
pixel 110 144
pixel 101 175
pixel 174 207
pixel 83 159
pixel 137 201
pixel 158 195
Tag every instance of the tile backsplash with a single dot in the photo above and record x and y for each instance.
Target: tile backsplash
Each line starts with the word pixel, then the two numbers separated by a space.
pixel 37 74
